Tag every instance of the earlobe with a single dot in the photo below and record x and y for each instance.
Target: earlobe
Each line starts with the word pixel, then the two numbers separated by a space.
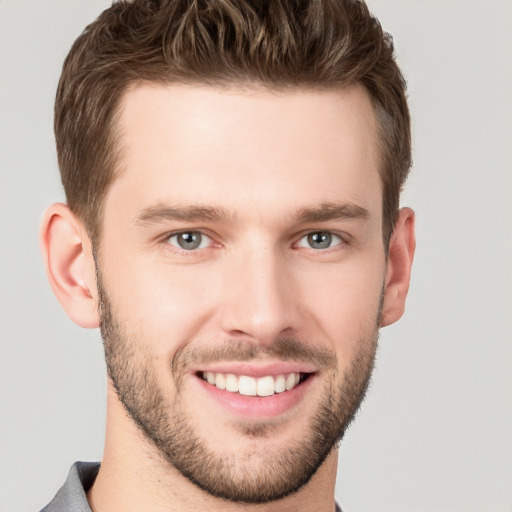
pixel 69 264
pixel 400 256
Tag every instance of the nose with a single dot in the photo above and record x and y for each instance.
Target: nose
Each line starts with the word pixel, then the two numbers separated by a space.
pixel 260 296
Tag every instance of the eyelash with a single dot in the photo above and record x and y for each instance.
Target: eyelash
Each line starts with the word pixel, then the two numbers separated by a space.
pixel 326 237
pixel 189 232
pixel 331 237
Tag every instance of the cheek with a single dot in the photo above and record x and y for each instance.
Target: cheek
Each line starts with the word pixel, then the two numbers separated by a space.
pixel 161 304
pixel 345 308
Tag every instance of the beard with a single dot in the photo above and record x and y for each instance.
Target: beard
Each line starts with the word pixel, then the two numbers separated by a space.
pixel 256 475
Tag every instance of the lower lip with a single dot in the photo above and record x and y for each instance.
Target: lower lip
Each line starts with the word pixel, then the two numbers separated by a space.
pixel 255 407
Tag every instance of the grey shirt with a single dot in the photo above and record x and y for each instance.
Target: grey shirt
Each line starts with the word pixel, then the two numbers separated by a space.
pixel 72 496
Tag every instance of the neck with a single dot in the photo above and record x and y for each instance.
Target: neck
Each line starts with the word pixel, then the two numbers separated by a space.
pixel 134 476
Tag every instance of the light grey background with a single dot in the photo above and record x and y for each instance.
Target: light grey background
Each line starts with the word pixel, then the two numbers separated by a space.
pixel 435 433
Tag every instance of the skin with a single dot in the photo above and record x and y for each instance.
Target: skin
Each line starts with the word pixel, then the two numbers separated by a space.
pixel 260 158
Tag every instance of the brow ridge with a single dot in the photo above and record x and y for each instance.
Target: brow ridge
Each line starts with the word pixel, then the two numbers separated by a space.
pixel 324 212
pixel 333 211
pixel 162 212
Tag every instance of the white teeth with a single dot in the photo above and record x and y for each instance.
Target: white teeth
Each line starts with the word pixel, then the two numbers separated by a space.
pixel 231 383
pixel 290 382
pixel 280 384
pixel 247 385
pixel 250 386
pixel 220 380
pixel 266 386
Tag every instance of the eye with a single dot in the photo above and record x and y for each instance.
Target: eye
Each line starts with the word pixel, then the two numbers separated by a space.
pixel 189 240
pixel 320 240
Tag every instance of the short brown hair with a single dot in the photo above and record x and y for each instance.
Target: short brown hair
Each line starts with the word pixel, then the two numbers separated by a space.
pixel 275 43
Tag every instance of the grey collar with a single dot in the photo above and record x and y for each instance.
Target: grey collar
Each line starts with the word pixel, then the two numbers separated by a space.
pixel 72 495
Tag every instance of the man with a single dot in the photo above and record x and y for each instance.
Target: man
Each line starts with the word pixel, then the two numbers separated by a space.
pixel 232 172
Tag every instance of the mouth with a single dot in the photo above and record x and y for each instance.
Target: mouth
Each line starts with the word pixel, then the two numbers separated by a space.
pixel 255 390
pixel 246 385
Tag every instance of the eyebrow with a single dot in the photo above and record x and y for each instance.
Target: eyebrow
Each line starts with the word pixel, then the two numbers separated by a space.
pixel 159 213
pixel 324 212
pixel 333 211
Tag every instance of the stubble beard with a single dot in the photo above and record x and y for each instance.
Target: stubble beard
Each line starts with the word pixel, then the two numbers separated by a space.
pixel 257 475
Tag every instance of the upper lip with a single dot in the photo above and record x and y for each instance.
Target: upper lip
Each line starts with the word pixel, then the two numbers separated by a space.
pixel 256 370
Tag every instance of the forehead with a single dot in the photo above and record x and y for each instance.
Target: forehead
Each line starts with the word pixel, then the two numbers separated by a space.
pixel 247 148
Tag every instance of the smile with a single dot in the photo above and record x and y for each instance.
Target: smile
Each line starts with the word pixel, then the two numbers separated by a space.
pixel 267 385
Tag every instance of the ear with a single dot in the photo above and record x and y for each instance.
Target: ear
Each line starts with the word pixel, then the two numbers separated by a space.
pixel 398 273
pixel 70 265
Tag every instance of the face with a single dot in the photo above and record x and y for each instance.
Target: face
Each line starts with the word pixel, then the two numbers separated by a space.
pixel 240 276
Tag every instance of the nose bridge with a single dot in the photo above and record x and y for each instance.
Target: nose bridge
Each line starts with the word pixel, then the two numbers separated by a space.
pixel 259 303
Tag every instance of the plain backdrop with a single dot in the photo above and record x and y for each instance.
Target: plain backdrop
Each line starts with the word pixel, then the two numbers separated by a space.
pixel 435 433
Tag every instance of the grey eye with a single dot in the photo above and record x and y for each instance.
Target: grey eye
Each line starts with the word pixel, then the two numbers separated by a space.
pixel 320 240
pixel 188 240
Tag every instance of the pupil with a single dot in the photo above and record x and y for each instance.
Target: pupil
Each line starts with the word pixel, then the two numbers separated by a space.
pixel 189 240
pixel 321 240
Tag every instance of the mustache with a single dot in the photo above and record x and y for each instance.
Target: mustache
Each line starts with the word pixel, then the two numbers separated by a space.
pixel 283 349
